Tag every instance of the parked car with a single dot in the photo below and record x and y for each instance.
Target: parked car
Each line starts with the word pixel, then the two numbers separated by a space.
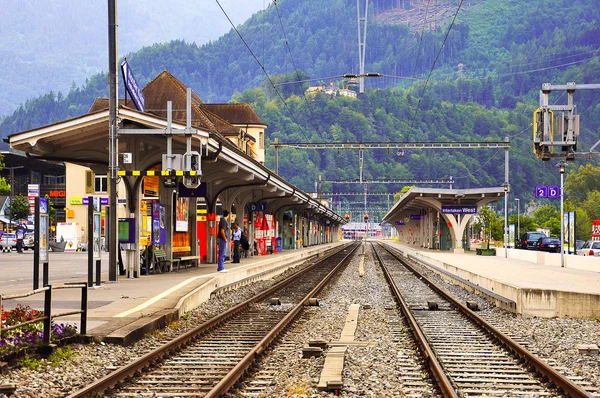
pixel 28 241
pixel 8 240
pixel 548 244
pixel 529 239
pixel 590 248
pixel 579 244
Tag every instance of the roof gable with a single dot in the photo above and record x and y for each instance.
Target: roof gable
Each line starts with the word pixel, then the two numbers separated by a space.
pixel 165 87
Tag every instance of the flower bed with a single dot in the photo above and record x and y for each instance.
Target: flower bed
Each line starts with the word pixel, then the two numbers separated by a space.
pixel 30 335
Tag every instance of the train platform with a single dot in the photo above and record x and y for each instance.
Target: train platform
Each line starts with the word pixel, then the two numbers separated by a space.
pixel 124 311
pixel 529 283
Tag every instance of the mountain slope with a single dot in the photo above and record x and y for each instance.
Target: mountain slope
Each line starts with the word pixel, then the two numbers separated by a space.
pixel 484 85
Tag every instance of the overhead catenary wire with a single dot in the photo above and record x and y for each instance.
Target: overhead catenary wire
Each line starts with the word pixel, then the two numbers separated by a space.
pixel 420 40
pixel 261 65
pixel 580 72
pixel 434 63
pixel 287 45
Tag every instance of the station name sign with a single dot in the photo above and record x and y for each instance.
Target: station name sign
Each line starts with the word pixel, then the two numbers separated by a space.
pixel 459 209
pixel 85 201
pixel 132 87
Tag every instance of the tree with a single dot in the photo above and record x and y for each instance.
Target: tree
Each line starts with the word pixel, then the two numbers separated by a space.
pixel 579 184
pixel 491 224
pixel 18 208
pixel 4 185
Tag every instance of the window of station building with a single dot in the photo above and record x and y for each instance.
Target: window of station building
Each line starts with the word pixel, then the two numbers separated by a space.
pixel 261 140
pixel 100 183
pixel 54 180
pixel 36 177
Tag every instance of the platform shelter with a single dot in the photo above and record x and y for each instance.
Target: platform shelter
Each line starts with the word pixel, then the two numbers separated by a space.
pixel 229 141
pixel 438 218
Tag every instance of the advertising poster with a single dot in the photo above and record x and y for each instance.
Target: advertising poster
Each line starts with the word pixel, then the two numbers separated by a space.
pixel 43 238
pixel 571 230
pixel 151 186
pixel 159 232
pixel 96 235
pixel 181 215
pixel 511 235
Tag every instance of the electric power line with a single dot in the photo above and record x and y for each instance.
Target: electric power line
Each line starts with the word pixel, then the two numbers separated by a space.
pixel 260 64
pixel 434 62
pixel 287 45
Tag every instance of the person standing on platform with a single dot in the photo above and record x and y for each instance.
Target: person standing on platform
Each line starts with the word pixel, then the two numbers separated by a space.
pixel 237 235
pixel 222 240
pixel 20 235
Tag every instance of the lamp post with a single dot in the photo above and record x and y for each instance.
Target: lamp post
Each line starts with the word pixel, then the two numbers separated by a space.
pixel 561 169
pixel 366 217
pixel 518 218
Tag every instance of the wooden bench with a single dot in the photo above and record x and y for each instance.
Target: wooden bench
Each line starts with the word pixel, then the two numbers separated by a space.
pixel 163 261
pixel 185 259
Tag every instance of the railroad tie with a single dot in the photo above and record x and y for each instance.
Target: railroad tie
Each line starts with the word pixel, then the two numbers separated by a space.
pixel 331 375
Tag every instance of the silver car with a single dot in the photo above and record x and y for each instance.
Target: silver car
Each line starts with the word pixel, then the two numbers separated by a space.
pixel 8 240
pixel 28 241
pixel 590 248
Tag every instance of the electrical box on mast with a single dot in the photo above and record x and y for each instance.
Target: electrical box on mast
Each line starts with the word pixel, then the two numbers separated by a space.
pixel 556 127
pixel 192 163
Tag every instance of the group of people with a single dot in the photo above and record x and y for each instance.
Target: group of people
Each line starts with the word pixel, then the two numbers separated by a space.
pixel 239 241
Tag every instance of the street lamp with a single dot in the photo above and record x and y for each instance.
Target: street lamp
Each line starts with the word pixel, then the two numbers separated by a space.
pixel 561 169
pixel 518 218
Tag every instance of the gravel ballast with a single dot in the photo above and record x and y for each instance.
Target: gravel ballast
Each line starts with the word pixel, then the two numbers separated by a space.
pixel 368 371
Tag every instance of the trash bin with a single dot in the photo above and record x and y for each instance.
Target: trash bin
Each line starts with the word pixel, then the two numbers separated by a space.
pixel 278 244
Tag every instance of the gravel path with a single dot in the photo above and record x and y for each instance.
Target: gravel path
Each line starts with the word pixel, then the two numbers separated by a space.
pixel 369 371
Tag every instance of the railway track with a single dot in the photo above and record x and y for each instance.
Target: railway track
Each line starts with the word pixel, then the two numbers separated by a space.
pixel 467 356
pixel 208 360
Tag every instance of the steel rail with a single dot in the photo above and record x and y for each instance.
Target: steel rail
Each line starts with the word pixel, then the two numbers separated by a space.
pixel 238 371
pixel 446 387
pixel 568 387
pixel 126 371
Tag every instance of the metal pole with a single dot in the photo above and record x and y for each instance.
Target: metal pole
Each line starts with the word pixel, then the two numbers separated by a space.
pixel 518 218
pixel 506 139
pixel 276 141
pixel 113 140
pixel 36 245
pixel 562 214
pixel 90 240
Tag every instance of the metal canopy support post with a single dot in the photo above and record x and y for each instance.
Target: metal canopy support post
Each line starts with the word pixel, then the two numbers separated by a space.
pixel 113 139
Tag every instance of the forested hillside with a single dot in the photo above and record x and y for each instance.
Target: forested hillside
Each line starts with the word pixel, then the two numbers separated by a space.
pixel 484 85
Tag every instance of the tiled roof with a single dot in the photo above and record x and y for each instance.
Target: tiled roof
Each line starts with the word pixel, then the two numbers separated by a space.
pixel 236 113
pixel 165 87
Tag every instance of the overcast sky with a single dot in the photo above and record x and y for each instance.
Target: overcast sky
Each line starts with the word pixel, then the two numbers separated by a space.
pixel 49 44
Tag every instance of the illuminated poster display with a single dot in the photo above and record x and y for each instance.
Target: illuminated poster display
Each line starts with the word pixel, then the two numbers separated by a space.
pixel 181 215
pixel 159 232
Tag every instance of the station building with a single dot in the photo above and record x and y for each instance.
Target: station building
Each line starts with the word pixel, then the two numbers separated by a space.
pixel 230 141
pixel 27 176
